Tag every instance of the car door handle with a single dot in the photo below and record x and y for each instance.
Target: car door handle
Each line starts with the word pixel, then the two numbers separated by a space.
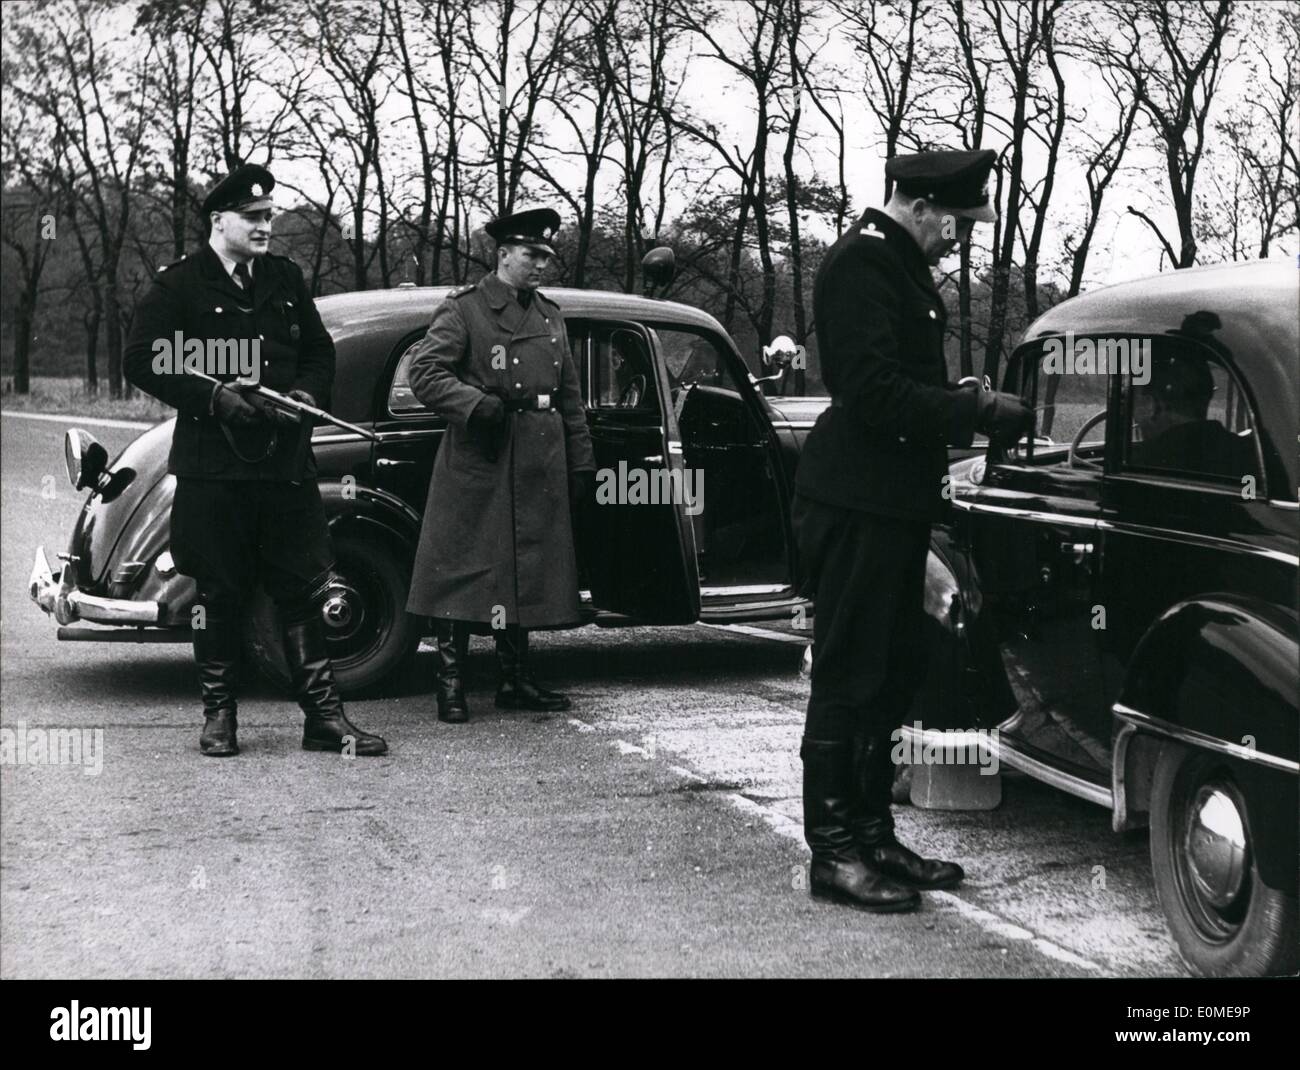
pixel 388 462
pixel 1077 550
pixel 658 458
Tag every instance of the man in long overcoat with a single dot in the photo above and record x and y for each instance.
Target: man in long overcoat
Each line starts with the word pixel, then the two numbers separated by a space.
pixel 496 547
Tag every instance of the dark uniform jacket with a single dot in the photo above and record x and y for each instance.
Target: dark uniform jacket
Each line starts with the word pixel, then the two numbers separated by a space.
pixel 880 447
pixel 496 545
pixel 196 297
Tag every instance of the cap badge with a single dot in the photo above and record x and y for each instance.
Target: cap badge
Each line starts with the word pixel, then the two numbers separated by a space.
pixel 255 189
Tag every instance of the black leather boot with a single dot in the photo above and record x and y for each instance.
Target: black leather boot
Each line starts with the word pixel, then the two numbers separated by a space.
pixel 216 652
pixel 838 872
pixel 873 824
pixel 518 690
pixel 326 727
pixel 452 641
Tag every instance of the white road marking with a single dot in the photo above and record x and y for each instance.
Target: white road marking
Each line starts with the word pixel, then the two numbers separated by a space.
pixel 792 830
pixel 1010 931
pixel 96 421
pixel 761 633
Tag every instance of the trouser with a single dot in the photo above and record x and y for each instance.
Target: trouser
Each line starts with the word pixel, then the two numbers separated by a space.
pixel 232 534
pixel 866 577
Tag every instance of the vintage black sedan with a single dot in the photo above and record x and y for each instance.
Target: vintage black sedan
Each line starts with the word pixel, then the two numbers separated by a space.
pixel 1135 566
pixel 666 390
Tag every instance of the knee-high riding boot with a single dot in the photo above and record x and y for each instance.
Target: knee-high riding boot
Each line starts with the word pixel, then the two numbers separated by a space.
pixel 518 690
pixel 452 641
pixel 838 872
pixel 216 653
pixel 326 727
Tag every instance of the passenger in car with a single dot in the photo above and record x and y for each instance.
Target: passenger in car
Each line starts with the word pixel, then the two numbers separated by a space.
pixel 1177 432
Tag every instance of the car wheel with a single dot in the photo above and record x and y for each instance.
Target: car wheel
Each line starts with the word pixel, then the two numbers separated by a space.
pixel 1224 919
pixel 367 628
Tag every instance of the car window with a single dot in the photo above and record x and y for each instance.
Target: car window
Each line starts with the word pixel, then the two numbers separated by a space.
pixel 693 359
pixel 624 370
pixel 1068 403
pixel 1186 415
pixel 401 399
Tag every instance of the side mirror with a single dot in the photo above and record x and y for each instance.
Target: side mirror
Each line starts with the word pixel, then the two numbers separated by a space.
pixel 87 463
pixel 658 268
pixel 85 458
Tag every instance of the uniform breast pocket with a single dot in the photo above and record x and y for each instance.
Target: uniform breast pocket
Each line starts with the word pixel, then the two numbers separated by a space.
pixel 281 321
pixel 925 329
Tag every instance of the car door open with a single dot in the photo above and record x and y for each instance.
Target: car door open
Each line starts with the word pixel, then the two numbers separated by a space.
pixel 636 535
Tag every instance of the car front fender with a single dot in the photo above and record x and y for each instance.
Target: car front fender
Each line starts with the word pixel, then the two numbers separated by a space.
pixel 1218 673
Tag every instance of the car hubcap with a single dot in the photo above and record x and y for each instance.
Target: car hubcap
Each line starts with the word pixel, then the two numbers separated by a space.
pixel 342 611
pixel 1216 846
pixel 1214 858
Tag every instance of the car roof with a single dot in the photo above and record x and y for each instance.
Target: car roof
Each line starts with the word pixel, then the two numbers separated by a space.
pixel 1247 313
pixel 367 324
pixel 415 304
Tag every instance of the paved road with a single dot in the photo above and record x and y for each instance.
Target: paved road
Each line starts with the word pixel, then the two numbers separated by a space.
pixel 652 832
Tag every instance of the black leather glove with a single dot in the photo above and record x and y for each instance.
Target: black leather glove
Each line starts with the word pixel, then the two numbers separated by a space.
pixel 232 408
pixel 582 485
pixel 486 422
pixel 303 396
pixel 1003 416
pixel 488 414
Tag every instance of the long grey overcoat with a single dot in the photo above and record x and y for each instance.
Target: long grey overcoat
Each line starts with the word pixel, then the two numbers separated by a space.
pixel 496 545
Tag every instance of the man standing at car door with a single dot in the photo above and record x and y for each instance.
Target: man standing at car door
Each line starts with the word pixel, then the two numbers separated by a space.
pixel 868 486
pixel 247 507
pixel 496 547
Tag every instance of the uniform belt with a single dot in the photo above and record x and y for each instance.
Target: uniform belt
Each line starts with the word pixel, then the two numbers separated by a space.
pixel 534 403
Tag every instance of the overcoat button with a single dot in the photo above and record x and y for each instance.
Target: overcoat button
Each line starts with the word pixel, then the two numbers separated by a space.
pixel 516 360
pixel 933 314
pixel 519 386
pixel 552 338
pixel 217 309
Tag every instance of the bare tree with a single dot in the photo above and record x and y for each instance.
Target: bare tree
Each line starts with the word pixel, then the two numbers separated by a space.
pixel 1173 53
pixel 759 63
pixel 1103 145
pixel 90 86
pixel 885 37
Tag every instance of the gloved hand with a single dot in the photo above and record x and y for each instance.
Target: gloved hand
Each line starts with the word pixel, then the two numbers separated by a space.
pixel 303 396
pixel 1003 416
pixel 488 414
pixel 582 486
pixel 232 408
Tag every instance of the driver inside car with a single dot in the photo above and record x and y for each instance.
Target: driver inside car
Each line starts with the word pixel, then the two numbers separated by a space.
pixel 1171 412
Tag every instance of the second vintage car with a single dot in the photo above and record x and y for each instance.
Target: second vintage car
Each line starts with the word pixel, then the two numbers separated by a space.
pixel 1135 567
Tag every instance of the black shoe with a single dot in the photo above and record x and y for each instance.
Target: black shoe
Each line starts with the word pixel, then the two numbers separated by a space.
pixel 518 690
pixel 451 640
pixel 906 865
pixel 838 872
pixel 216 653
pixel 326 728
pixel 858 885
pixel 218 737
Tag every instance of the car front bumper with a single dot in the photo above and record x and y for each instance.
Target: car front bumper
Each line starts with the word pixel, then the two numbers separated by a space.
pixel 58 595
